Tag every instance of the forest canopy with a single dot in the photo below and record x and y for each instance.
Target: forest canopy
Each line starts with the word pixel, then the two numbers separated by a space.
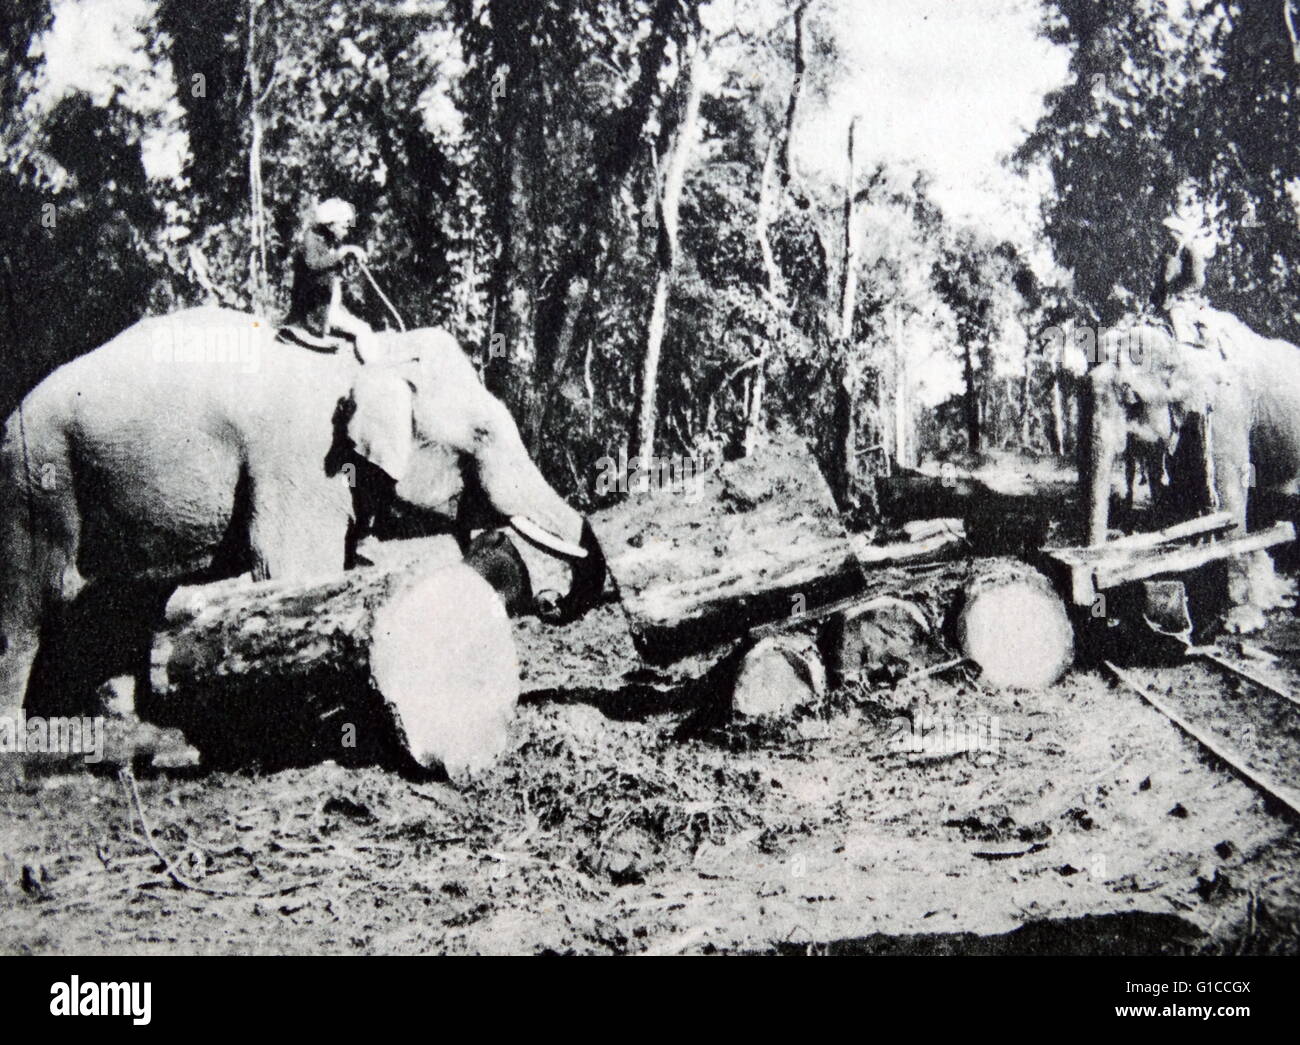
pixel 660 226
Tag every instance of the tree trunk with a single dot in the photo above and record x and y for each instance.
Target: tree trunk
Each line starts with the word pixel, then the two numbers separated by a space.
pixel 405 663
pixel 773 291
pixel 256 203
pixel 903 438
pixel 668 204
pixel 971 400
pixel 754 411
pixel 1057 429
pixel 776 175
pixel 539 409
pixel 845 411
pixel 849 272
pixel 620 138
pixel 844 431
pixel 1026 405
pixel 796 92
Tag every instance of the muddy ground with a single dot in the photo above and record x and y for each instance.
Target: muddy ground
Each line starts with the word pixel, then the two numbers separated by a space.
pixel 1088 823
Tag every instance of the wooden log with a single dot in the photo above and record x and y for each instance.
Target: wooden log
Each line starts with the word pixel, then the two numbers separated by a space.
pixel 1014 625
pixel 409 664
pixel 921 529
pixel 421 552
pixel 934 547
pixel 994 522
pixel 697 564
pixel 885 636
pixel 777 675
pixel 1101 567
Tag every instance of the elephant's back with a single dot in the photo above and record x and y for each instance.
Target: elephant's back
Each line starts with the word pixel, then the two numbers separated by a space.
pixel 186 366
pixel 159 425
pixel 159 354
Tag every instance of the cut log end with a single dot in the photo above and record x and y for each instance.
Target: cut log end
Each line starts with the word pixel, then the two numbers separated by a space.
pixel 443 657
pixel 1015 627
pixel 778 675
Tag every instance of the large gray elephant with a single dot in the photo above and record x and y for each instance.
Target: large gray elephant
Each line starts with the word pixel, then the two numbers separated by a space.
pixel 194 445
pixel 1212 411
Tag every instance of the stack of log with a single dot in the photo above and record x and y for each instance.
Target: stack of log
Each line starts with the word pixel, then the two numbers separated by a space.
pixel 412 658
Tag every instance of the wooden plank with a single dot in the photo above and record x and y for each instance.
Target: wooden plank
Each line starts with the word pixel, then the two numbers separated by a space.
pixel 1086 571
pixel 921 529
pixel 1204 525
pixel 1179 560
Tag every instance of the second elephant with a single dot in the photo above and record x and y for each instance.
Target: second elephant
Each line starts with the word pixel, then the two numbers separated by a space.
pixel 1221 415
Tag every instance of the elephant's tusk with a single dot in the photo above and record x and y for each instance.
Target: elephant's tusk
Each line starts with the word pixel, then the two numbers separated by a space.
pixel 545 538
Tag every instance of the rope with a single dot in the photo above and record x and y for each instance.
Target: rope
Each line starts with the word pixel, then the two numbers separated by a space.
pixel 365 269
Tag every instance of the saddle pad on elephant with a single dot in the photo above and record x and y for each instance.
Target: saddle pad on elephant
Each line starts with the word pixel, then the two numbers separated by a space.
pixel 294 335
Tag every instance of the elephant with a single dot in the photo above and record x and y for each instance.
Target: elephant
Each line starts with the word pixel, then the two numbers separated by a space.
pixel 195 446
pixel 1211 410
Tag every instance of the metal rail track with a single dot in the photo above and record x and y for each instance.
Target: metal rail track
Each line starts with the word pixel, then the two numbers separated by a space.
pixel 1269 783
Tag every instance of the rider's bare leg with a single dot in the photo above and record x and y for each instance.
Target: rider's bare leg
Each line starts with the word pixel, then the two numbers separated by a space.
pixel 367 342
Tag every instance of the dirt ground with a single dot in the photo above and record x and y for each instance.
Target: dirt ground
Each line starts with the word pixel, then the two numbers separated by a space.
pixel 1087 823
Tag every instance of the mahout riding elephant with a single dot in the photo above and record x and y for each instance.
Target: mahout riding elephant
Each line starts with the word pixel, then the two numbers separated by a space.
pixel 1212 410
pixel 194 446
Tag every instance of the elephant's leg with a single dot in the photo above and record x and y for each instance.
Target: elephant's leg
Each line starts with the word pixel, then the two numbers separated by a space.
pixel 1268 590
pixel 20 631
pixel 1248 575
pixel 1130 480
pixel 19 641
pixel 297 527
pixel 22 600
pixel 40 543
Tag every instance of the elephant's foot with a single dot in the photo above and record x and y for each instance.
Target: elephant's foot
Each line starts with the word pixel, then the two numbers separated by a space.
pixel 1267 589
pixel 13 749
pixel 13 756
pixel 13 770
pixel 133 742
pixel 129 740
pixel 1242 620
pixel 1254 588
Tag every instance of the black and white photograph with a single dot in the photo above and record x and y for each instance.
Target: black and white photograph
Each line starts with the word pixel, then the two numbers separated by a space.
pixel 651 478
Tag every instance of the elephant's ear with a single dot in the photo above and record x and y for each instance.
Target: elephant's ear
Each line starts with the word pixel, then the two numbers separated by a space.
pixel 381 427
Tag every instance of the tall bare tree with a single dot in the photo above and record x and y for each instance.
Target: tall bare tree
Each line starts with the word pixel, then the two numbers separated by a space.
pixel 668 196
